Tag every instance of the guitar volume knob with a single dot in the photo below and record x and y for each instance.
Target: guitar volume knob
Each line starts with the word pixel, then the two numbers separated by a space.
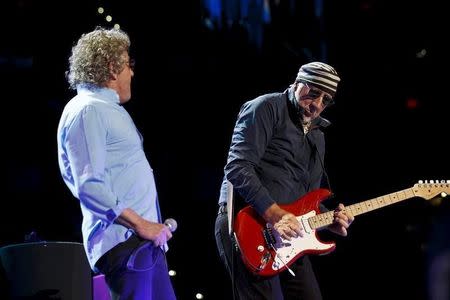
pixel 260 248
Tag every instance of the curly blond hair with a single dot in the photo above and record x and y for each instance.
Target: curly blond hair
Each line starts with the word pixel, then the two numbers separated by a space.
pixel 93 55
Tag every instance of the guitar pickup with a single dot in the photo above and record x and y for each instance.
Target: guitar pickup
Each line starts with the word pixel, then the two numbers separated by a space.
pixel 268 236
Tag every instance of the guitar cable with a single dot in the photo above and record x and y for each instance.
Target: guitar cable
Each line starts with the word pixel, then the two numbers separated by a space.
pixel 279 257
pixel 232 269
pixel 229 205
pixel 234 251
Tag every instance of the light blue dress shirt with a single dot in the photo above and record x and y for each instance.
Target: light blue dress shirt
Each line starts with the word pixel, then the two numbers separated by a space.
pixel 102 161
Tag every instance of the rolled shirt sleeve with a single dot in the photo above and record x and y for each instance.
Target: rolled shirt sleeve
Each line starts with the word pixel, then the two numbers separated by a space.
pixel 85 142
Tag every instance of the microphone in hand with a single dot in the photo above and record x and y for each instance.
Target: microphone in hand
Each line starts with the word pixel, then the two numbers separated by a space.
pixel 171 224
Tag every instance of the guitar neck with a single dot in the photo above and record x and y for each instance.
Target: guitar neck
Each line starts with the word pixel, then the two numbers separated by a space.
pixel 325 219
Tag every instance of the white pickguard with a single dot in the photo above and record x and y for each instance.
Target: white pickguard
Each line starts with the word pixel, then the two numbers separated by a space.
pixel 288 250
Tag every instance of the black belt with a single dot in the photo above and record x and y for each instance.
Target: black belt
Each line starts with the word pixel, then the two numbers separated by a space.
pixel 222 208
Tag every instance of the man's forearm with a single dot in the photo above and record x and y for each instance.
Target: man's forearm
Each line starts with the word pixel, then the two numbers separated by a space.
pixel 130 219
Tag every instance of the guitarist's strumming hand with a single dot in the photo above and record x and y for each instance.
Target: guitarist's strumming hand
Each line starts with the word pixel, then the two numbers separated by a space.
pixel 342 220
pixel 284 222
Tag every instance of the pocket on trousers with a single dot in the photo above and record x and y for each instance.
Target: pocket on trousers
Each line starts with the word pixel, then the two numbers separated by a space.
pixel 144 257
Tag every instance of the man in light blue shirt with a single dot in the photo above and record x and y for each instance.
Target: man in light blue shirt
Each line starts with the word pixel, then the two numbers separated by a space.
pixel 102 161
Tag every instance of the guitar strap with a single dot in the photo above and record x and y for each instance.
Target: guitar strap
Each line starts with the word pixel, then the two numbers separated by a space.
pixel 230 207
pixel 230 214
pixel 234 204
pixel 325 179
pixel 316 151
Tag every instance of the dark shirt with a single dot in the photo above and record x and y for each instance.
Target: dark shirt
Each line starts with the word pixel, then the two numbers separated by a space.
pixel 271 159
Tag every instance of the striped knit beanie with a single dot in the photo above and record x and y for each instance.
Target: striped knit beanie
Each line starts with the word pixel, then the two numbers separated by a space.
pixel 319 75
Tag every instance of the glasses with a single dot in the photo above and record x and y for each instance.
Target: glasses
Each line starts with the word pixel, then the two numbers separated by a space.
pixel 131 63
pixel 314 93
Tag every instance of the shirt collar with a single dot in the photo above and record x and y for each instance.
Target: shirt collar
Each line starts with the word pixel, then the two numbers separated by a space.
pixel 103 93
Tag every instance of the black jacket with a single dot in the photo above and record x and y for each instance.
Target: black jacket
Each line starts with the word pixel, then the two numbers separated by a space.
pixel 270 158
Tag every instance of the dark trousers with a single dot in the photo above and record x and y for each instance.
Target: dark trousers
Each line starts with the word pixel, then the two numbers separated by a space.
pixel 136 270
pixel 284 286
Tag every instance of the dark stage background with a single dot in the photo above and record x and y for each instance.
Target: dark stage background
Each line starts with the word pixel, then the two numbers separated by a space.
pixel 390 124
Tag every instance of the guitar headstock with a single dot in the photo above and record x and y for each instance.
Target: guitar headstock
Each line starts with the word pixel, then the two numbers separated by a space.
pixel 429 189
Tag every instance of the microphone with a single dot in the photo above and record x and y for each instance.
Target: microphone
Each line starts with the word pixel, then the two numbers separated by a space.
pixel 171 224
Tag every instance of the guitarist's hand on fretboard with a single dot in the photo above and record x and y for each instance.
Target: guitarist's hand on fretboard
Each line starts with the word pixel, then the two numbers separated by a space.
pixel 341 221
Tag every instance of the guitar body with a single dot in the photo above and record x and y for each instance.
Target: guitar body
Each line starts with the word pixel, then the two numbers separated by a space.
pixel 264 252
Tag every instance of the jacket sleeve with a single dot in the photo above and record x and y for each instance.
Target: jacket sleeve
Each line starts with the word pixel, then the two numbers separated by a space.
pixel 252 133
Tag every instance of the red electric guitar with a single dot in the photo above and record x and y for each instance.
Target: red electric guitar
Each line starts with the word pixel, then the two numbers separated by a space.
pixel 266 253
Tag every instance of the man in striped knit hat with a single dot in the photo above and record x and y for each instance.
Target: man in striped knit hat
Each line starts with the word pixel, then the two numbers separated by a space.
pixel 275 158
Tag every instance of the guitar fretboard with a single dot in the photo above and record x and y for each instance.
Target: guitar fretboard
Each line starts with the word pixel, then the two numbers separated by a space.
pixel 325 219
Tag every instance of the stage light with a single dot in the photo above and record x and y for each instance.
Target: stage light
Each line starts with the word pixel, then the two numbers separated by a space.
pixel 108 18
pixel 100 10
pixel 198 296
pixel 412 103
pixel 421 53
pixel 172 273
